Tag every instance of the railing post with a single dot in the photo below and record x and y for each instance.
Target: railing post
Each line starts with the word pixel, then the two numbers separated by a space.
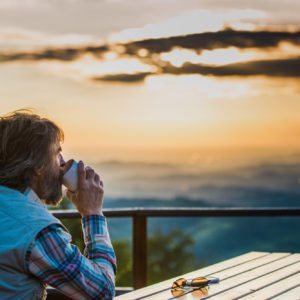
pixel 139 251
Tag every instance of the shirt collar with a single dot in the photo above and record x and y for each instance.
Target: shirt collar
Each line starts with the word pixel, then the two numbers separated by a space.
pixel 31 194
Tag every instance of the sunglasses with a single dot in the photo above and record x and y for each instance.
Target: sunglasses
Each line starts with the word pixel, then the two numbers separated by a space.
pixel 197 292
pixel 196 282
pixel 196 286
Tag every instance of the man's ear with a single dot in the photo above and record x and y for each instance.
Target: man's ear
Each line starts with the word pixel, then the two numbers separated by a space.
pixel 37 172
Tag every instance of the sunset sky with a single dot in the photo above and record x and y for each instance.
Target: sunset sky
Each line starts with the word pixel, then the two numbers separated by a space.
pixel 144 80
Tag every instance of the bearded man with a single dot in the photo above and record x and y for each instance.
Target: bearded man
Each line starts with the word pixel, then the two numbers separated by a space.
pixel 35 247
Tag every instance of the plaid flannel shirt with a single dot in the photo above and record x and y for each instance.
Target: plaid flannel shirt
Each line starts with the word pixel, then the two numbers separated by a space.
pixel 54 260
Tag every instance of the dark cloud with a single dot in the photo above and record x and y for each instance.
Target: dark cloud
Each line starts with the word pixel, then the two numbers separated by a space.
pixel 281 68
pixel 96 50
pixel 63 54
pixel 262 40
pixel 214 40
pixel 123 77
pixel 197 42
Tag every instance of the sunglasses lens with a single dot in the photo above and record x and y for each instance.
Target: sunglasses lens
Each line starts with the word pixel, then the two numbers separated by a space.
pixel 199 281
pixel 179 283
pixel 200 292
pixel 177 292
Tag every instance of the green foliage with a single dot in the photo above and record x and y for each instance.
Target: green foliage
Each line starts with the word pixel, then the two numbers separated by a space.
pixel 75 228
pixel 169 255
pixel 123 253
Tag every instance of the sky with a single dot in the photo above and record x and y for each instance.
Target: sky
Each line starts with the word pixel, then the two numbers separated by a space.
pixel 157 81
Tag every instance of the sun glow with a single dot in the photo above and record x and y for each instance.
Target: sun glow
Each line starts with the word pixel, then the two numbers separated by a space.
pixel 88 67
pixel 209 87
pixel 224 56
pixel 178 57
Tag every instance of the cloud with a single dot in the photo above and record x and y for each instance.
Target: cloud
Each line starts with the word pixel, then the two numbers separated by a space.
pixel 19 38
pixel 197 42
pixel 280 67
pixel 123 77
pixel 148 52
pixel 62 54
pixel 215 40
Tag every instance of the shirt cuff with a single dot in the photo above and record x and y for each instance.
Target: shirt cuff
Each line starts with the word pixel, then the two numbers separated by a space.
pixel 94 225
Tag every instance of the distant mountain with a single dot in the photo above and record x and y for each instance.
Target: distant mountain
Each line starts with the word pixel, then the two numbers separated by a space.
pixel 264 184
pixel 232 185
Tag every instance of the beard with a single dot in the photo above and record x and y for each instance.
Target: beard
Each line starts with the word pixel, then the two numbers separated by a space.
pixel 52 188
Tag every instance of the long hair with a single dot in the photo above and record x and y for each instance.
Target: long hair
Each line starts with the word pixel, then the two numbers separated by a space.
pixel 26 140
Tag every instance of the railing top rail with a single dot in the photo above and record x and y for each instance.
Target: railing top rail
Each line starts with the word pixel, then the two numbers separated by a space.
pixel 189 212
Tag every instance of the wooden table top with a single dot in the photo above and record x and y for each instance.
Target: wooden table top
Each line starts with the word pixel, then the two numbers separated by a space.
pixel 255 275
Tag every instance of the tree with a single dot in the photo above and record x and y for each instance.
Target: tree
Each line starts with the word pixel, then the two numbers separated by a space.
pixel 123 253
pixel 169 254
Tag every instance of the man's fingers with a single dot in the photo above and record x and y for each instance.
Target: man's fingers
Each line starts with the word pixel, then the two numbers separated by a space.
pixel 97 178
pixel 90 173
pixel 85 174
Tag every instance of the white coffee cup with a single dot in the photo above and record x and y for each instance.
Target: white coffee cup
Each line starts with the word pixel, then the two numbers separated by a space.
pixel 70 178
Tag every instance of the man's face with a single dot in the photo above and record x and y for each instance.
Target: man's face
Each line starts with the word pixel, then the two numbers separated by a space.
pixel 50 185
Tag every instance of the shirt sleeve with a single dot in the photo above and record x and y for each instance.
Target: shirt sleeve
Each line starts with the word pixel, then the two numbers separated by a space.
pixel 54 260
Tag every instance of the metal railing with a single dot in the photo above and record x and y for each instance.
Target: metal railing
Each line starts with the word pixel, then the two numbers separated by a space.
pixel 139 216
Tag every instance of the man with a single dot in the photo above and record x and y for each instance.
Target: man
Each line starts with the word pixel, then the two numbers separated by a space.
pixel 35 247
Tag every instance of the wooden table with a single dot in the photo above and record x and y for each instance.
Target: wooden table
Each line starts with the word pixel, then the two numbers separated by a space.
pixel 255 275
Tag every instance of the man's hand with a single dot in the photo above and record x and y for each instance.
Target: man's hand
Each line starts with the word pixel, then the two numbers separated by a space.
pixel 88 198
